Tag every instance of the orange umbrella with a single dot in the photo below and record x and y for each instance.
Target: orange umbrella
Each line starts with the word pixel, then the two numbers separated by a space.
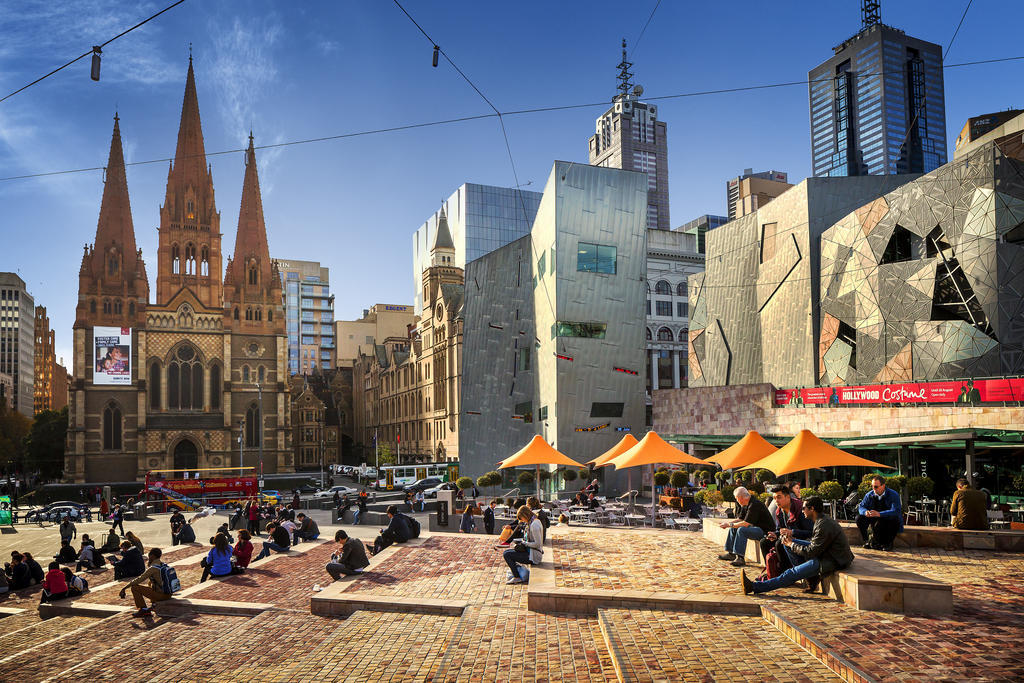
pixel 628 441
pixel 750 448
pixel 805 452
pixel 650 450
pixel 538 452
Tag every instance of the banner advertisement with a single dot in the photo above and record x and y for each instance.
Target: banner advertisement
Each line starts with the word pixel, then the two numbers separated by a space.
pixel 113 355
pixel 963 392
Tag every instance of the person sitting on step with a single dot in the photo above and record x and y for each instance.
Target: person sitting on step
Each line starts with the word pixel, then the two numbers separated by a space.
pixel 880 515
pixel 753 522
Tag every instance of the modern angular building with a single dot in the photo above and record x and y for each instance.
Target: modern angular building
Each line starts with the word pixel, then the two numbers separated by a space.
pixel 877 105
pixel 480 218
pixel 17 340
pixel 309 313
pixel 631 137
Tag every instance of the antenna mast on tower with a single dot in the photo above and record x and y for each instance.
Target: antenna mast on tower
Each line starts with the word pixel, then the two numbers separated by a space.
pixel 870 13
pixel 625 75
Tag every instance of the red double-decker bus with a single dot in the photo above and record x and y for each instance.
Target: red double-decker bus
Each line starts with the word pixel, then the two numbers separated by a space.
pixel 191 489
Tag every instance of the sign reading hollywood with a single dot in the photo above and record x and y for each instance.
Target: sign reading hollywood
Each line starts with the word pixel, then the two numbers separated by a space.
pixel 113 356
pixel 964 392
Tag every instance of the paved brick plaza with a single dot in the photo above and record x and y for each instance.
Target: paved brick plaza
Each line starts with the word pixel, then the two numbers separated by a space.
pixel 497 638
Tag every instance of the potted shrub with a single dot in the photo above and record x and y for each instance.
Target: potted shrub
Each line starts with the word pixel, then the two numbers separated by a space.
pixel 728 493
pixel 807 492
pixel 661 479
pixel 764 476
pixel 569 476
pixel 678 480
pixel 525 478
pixel 830 490
pixel 713 498
pixel 919 487
pixel 699 497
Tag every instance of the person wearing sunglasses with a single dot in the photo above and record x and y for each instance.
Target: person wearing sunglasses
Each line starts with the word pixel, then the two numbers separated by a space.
pixel 879 516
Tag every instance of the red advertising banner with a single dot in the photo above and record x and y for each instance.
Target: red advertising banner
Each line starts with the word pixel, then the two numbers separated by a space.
pixel 220 488
pixel 965 392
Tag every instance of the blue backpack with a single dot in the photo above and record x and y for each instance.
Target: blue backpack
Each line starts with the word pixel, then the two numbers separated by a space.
pixel 170 579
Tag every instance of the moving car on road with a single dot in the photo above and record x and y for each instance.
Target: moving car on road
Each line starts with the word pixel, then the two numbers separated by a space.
pixel 340 490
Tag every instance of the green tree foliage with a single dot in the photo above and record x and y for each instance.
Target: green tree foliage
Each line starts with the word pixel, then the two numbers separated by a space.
pixel 830 490
pixel 525 478
pixel 386 455
pixel 44 446
pixel 764 476
pixel 919 487
pixel 569 475
pixel 14 428
pixel 727 493
pixel 464 483
pixel 679 479
pixel 713 498
pixel 661 478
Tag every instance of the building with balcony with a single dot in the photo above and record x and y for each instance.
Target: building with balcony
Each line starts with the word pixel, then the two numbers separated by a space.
pixel 17 340
pixel 309 316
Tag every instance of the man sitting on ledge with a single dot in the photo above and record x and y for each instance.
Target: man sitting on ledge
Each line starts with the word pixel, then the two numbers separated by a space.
pixel 968 509
pixel 882 513
pixel 827 551
pixel 753 522
pixel 352 559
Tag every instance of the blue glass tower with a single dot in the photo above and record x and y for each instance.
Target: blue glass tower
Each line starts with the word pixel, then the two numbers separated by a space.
pixel 878 105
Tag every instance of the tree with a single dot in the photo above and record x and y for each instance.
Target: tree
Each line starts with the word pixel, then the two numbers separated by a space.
pixel 464 483
pixel 678 479
pixel 14 427
pixel 385 455
pixel 44 447
pixel 525 478
pixel 661 478
pixel 830 490
pixel 569 475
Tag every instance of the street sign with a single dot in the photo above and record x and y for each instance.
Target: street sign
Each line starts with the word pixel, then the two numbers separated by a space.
pixel 261 483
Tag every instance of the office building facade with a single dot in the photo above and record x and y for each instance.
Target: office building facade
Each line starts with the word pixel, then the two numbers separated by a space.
pixel 309 315
pixel 51 377
pixel 630 136
pixel 877 106
pixel 745 193
pixel 17 340
pixel 379 322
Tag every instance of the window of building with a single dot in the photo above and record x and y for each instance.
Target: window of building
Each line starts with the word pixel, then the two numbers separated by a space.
pixel 154 386
pixel 662 287
pixel 649 336
pixel 665 334
pixel 680 309
pixel 252 426
pixel 681 289
pixel 185 380
pixel 112 428
pixel 769 239
pixel 542 414
pixel 260 374
pixel 524 359
pixel 652 216
pixel 596 258
pixel 190 259
pixel 663 308
pixel 525 410
pixel 541 264
pixel 245 374
pixel 215 387
pixel 205 266
pixel 175 259
pixel 682 334
pixel 648 307
pixel 606 409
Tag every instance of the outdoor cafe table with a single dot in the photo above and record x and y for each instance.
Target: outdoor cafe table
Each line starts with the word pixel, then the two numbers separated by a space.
pixel 638 518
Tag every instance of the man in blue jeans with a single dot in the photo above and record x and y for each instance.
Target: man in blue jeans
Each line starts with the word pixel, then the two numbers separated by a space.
pixel 827 551
pixel 279 541
pixel 752 522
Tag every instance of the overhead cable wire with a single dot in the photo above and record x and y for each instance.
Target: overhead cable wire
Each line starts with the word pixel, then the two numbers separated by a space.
pixel 636 43
pixel 512 112
pixel 86 54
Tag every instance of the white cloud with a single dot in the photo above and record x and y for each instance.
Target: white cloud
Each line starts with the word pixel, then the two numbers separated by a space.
pixel 243 73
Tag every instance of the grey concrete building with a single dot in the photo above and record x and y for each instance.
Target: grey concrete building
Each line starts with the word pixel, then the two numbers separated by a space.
pixel 17 340
pixel 309 314
pixel 877 105
pixel 630 136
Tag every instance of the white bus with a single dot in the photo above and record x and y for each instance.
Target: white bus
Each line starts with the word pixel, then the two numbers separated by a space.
pixel 390 477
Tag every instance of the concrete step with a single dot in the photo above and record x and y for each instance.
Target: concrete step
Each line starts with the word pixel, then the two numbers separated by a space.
pixel 14 640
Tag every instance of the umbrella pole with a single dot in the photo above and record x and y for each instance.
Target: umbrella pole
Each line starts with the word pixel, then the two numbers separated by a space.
pixel 538 482
pixel 654 517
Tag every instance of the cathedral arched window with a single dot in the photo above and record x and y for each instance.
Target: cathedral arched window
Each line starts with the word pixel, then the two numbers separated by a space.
pixel 248 313
pixel 154 386
pixel 112 427
pixel 245 374
pixel 190 210
pixel 131 308
pixel 185 379
pixel 261 375
pixel 205 265
pixel 190 259
pixel 236 312
pixel 665 334
pixel 175 259
pixel 253 274
pixel 112 263
pixel 215 387
pixel 270 315
pixel 252 426
pixel 259 313
pixel 106 305
pixel 117 306
pixel 662 288
pixel 92 305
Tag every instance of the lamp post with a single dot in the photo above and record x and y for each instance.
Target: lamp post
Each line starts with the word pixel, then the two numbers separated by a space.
pixel 241 441
pixel 259 440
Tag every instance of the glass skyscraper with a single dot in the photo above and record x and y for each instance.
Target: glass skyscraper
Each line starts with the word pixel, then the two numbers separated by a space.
pixel 878 106
pixel 481 218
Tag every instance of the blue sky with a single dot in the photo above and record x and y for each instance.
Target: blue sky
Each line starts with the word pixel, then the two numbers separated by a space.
pixel 302 70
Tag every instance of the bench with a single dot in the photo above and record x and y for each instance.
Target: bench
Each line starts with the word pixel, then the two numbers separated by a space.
pixel 948 538
pixel 717 535
pixel 872 585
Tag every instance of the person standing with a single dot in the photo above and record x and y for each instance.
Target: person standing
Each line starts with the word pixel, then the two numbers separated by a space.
pixel 252 513
pixel 67 530
pixel 467 525
pixel 489 518
pixel 352 558
pixel 880 514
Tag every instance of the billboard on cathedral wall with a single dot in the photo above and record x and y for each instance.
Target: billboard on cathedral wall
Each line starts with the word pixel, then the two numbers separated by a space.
pixel 112 348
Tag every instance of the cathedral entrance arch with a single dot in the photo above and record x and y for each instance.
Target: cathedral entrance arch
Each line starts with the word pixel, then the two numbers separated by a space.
pixel 186 455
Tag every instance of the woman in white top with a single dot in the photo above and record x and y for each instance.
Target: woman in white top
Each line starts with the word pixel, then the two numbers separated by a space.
pixel 529 551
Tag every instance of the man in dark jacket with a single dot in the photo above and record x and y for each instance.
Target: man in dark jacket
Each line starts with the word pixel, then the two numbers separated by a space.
pixel 489 518
pixel 18 572
pixel 131 564
pixel 397 531
pixel 788 515
pixel 753 522
pixel 308 530
pixel 279 541
pixel 827 551
pixel 968 510
pixel 352 558
pixel 881 512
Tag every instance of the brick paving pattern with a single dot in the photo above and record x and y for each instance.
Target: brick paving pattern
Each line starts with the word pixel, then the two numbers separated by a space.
pixel 514 645
pixel 286 581
pixel 675 646
pixel 40 632
pixel 18 621
pixel 454 568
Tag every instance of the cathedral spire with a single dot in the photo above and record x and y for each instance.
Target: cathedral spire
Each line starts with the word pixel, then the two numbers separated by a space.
pixel 190 155
pixel 115 229
pixel 251 241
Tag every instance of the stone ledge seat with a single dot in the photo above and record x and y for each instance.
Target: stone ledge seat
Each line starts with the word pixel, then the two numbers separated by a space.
pixel 868 584
pixel 949 538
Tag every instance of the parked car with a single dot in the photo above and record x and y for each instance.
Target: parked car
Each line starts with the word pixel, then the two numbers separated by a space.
pixel 340 490
pixel 432 492
pixel 422 484
pixel 54 512
pixel 310 486
pixel 272 496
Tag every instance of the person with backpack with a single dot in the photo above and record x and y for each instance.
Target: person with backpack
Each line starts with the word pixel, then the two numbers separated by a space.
pixel 88 557
pixel 158 583
pixel 55 586
pixel 397 531
pixel 76 584
pixel 118 518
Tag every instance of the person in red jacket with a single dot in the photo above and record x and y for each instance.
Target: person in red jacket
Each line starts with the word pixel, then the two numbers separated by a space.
pixel 55 586
pixel 243 549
